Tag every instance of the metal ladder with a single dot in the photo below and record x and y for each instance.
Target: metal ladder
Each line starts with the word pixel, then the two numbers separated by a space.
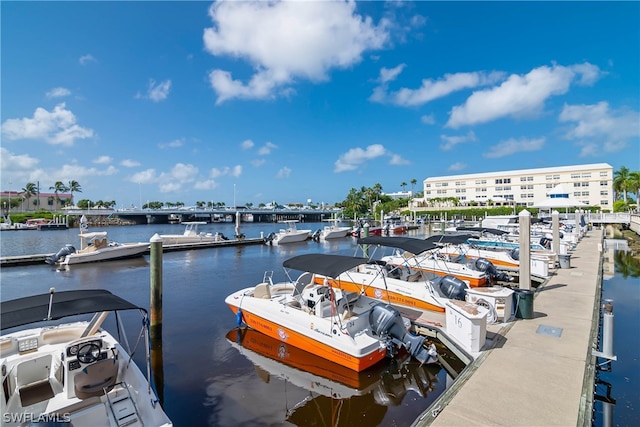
pixel 123 408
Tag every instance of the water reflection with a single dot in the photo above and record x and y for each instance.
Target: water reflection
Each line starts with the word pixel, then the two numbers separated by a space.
pixel 326 393
pixel 626 264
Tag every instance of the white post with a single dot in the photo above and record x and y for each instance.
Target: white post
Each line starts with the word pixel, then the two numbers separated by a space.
pixel 555 224
pixel 525 249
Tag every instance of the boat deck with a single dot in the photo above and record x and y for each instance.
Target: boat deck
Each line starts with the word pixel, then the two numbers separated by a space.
pixel 535 371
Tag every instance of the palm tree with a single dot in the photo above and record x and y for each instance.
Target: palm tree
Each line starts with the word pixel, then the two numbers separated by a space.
pixel 74 187
pixel 621 183
pixel 634 185
pixel 29 191
pixel 57 188
pixel 403 185
pixel 413 183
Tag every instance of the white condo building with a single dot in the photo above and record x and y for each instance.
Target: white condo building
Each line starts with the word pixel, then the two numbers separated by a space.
pixel 591 184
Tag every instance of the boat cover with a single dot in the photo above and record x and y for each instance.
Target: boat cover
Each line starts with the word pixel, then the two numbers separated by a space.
pixel 23 311
pixel 483 230
pixel 413 245
pixel 327 265
pixel 450 239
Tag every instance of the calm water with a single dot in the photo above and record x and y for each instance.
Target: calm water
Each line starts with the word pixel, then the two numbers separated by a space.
pixel 209 380
pixel 624 376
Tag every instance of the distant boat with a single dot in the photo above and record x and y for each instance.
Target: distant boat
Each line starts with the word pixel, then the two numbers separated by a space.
pixel 95 247
pixel 333 231
pixel 291 234
pixel 192 235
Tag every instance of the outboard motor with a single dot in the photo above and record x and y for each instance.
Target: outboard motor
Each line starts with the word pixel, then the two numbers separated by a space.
pixel 316 236
pixel 452 287
pixel 515 254
pixel 486 266
pixel 386 322
pixel 269 238
pixel 546 242
pixel 68 249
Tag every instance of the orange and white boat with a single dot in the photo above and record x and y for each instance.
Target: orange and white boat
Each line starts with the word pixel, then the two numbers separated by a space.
pixel 419 255
pixel 344 327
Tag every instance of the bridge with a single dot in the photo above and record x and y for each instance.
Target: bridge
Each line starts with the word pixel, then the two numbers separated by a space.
pixel 165 216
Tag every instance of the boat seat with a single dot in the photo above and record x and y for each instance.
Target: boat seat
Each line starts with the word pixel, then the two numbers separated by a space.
pixel 415 277
pixel 96 377
pixel 303 280
pixel 32 380
pixel 262 291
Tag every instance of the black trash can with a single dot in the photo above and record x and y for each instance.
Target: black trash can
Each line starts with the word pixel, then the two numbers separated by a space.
pixel 523 303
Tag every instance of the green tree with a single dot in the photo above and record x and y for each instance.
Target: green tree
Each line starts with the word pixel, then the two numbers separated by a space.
pixel 58 187
pixel 403 185
pixel 621 183
pixel 413 184
pixel 634 185
pixel 29 191
pixel 74 187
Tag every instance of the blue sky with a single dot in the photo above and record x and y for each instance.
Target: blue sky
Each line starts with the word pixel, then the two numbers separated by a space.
pixel 290 101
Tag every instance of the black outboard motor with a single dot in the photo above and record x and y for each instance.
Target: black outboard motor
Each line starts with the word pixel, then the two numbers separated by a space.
pixel 486 266
pixel 68 249
pixel 515 254
pixel 386 322
pixel 452 287
pixel 546 242
pixel 269 238
pixel 316 235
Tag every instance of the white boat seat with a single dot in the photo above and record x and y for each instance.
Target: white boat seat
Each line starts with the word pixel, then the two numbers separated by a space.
pixel 96 377
pixel 262 291
pixel 415 277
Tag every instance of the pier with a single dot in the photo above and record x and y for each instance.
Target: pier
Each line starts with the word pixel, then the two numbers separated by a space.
pixel 538 371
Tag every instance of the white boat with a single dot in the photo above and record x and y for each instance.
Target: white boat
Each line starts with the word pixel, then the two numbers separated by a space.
pixel 347 328
pixel 73 373
pixel 192 235
pixel 421 255
pixel 95 247
pixel 291 234
pixel 333 231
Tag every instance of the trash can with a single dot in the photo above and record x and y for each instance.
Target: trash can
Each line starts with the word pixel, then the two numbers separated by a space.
pixel 564 260
pixel 523 303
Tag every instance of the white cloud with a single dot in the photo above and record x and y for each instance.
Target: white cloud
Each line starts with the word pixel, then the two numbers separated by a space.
pixel 103 160
pixel 15 166
pixel 398 160
pixel 236 171
pixel 128 163
pixel 285 41
pixel 428 119
pixel 457 166
pixel 267 148
pixel 176 143
pixel 208 184
pixel 144 177
pixel 85 59
pixel 182 172
pixel 283 173
pixel 157 92
pixel 432 89
pixel 520 95
pixel 58 92
pixel 512 146
pixel 451 141
pixel 258 162
pixel 599 129
pixel 247 144
pixel 56 127
pixel 356 156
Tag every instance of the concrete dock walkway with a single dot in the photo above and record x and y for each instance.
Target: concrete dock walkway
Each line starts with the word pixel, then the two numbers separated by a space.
pixel 537 372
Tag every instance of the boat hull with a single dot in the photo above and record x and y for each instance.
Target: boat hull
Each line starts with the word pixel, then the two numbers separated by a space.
pixel 307 332
pixel 122 251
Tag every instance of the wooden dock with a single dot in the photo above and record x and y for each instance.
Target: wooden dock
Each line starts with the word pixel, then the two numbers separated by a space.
pixel 537 371
pixel 22 260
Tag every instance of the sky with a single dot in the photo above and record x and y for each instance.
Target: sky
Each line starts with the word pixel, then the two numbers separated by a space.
pixel 297 101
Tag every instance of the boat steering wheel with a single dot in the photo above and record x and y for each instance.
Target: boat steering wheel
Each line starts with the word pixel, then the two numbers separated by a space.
pixel 89 353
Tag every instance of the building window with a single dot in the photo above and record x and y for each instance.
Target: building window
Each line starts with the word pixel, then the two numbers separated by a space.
pixel 585 184
pixel 604 183
pixel 585 193
pixel 604 193
pixel 549 186
pixel 604 174
pixel 604 202
pixel 575 176
pixel 481 181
